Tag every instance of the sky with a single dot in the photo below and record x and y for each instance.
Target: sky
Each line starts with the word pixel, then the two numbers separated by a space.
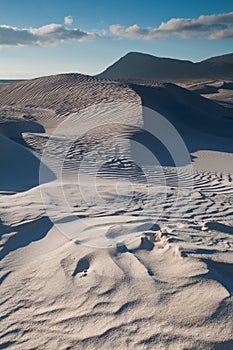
pixel 41 37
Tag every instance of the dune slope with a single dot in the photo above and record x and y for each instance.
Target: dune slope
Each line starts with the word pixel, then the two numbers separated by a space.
pixel 138 255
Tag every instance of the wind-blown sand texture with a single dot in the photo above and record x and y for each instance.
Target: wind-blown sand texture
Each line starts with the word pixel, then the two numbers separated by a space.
pixel 170 287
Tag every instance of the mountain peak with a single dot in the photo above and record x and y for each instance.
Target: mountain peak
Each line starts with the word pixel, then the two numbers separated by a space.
pixel 137 65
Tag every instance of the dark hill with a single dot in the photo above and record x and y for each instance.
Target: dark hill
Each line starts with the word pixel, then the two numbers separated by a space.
pixel 142 66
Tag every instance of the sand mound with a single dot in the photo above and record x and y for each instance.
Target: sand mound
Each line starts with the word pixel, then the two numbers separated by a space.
pixel 133 269
pixel 218 91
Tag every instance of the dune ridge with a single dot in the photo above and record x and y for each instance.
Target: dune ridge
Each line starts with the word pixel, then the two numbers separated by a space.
pixel 170 287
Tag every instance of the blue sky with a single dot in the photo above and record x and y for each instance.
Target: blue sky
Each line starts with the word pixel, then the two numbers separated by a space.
pixel 90 41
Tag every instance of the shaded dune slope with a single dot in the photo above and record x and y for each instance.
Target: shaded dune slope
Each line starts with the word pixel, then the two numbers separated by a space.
pixel 39 105
pixel 31 110
pixel 201 122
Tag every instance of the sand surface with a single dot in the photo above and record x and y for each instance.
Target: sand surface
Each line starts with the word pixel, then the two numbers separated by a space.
pixel 130 252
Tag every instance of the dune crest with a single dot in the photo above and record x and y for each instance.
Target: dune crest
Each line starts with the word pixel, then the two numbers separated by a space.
pixel 141 256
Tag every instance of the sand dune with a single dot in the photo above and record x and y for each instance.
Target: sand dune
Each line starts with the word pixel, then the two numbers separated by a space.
pixel 217 90
pixel 138 256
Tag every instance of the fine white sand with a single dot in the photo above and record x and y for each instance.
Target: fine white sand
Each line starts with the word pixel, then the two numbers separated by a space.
pixel 136 271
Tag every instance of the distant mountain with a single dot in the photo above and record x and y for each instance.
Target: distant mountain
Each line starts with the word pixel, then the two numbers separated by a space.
pixel 142 66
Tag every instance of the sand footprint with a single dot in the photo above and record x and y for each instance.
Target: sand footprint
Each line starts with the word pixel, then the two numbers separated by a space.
pixel 82 267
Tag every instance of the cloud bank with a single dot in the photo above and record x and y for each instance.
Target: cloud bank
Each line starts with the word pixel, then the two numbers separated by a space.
pixel 47 35
pixel 213 27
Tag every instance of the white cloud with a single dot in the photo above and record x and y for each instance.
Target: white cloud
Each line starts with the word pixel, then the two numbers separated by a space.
pixel 213 27
pixel 222 34
pixel 68 20
pixel 50 34
pixel 135 32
